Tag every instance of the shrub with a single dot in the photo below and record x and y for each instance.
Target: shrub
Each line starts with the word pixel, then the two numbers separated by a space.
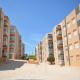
pixel 51 59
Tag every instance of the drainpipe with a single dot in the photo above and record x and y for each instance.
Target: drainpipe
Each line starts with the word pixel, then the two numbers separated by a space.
pixel 67 43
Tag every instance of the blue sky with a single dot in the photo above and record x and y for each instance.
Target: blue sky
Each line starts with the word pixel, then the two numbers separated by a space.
pixel 35 18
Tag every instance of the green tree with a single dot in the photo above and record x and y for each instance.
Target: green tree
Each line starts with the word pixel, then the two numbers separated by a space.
pixel 51 59
pixel 24 57
pixel 32 57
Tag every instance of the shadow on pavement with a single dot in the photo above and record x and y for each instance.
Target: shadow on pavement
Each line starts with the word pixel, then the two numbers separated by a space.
pixel 11 65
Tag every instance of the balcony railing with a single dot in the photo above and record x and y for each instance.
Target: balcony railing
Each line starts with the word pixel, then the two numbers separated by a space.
pixel 5 33
pixel 5 43
pixel 61 51
pixel 60 42
pixel 58 27
pixel 59 33
pixel 61 56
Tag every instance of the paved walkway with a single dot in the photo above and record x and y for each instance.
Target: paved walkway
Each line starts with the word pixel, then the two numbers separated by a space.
pixel 20 70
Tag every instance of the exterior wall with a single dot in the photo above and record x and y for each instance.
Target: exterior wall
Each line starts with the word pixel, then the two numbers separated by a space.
pixel 66 40
pixel 47 46
pixel 1 31
pixel 6 36
pixel 18 46
pixel 10 40
pixel 55 46
pixel 38 51
pixel 15 42
pixel 71 36
pixel 58 45
pixel 22 49
pixel 45 51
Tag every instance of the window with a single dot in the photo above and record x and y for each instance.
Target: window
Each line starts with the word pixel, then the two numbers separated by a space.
pixel 69 35
pixel 76 45
pixel 11 45
pixel 70 47
pixel 75 32
pixel 78 22
pixel 11 50
pixel 12 30
pixel 12 38
pixel 68 25
pixel 50 46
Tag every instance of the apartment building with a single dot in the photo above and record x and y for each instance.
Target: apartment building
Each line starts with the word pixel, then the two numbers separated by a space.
pixel 4 34
pixel 66 40
pixel 71 37
pixel 47 46
pixel 1 31
pixel 19 45
pixel 15 44
pixel 11 45
pixel 22 49
pixel 38 51
pixel 58 45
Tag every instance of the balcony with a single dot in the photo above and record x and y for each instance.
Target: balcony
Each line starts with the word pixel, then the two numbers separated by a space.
pixel 5 33
pixel 61 59
pixel 61 51
pixel 61 62
pixel 5 43
pixel 59 37
pixel 60 42
pixel 6 24
pixel 12 41
pixel 58 27
pixel 59 33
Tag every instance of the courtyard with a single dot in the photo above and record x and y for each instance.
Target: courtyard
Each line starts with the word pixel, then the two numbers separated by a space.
pixel 21 70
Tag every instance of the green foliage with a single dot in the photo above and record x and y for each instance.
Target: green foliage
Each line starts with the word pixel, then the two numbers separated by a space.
pixel 32 57
pixel 23 57
pixel 51 59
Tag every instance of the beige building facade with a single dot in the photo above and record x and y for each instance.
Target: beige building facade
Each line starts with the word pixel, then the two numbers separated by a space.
pixel 38 52
pixel 66 40
pixel 58 45
pixel 71 37
pixel 69 34
pixel 45 48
